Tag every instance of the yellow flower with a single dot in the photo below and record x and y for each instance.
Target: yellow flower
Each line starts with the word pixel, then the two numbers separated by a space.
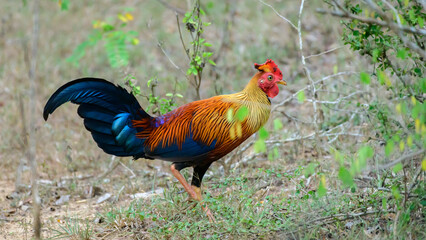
pixel 122 18
pixel 97 24
pixel 135 41
pixel 129 16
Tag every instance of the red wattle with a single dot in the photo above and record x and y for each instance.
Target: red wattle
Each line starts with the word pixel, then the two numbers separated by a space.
pixel 273 91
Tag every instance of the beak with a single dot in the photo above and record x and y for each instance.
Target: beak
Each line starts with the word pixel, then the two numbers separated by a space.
pixel 282 82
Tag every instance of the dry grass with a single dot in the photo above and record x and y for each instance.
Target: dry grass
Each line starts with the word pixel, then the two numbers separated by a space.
pixel 252 196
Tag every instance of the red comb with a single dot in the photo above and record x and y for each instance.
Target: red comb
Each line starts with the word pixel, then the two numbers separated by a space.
pixel 269 66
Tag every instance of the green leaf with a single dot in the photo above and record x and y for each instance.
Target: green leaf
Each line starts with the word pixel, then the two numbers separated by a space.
pixel 115 47
pixel 211 62
pixel 401 53
pixel 322 190
pixel 376 53
pixel 384 203
pixel 242 113
pixel 390 145
pixel 346 177
pixel 64 4
pixel 361 162
pixel 310 169
pixel 395 192
pixel 398 167
pixel 416 110
pixel 420 21
pixel 207 44
pixel 260 146
pixel 365 78
pixel 366 152
pixel 301 96
pixel 277 124
pixel 178 95
pixel 169 94
pixel 263 133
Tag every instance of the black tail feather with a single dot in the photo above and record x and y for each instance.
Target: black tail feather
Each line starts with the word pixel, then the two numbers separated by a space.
pixel 101 103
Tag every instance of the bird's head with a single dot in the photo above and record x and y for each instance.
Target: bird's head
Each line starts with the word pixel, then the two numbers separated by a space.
pixel 270 77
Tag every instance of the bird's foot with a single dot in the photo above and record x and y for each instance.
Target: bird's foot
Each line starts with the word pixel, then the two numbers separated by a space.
pixel 208 213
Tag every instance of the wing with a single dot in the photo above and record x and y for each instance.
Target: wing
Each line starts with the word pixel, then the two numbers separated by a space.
pixel 195 131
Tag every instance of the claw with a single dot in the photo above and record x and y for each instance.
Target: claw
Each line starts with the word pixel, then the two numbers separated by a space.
pixel 194 193
pixel 209 214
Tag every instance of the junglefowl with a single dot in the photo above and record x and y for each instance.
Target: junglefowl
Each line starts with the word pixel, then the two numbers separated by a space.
pixel 193 135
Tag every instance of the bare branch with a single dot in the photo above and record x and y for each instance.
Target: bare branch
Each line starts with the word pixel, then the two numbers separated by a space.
pixel 171 61
pixel 169 6
pixel 348 15
pixel 401 159
pixel 279 15
pixel 282 103
pixel 325 52
pixel 32 116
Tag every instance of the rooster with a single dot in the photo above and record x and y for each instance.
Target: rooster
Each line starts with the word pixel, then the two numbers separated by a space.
pixel 193 135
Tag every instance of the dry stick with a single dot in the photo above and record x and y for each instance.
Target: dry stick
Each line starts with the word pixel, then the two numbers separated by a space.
pixel 308 74
pixel 401 159
pixel 181 38
pixel 112 166
pixel 414 182
pixel 345 14
pixel 169 6
pixel 20 169
pixel 316 82
pixel 279 15
pixel 171 61
pixel 32 117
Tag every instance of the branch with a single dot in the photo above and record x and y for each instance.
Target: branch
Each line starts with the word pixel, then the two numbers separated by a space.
pixel 279 15
pixel 401 159
pixel 32 116
pixel 325 52
pixel 282 103
pixel 169 6
pixel 160 45
pixel 348 15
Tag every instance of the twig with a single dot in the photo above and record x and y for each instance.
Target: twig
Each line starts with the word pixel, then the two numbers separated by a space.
pixel 181 38
pixel 20 169
pixel 279 15
pixel 414 182
pixel 322 53
pixel 348 15
pixel 32 116
pixel 337 101
pixel 112 165
pixel 170 60
pixel 169 6
pixel 128 169
pixel 316 82
pixel 401 159
pixel 308 74
pixel 345 216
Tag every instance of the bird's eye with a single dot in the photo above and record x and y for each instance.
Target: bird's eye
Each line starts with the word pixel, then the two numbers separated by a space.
pixel 270 77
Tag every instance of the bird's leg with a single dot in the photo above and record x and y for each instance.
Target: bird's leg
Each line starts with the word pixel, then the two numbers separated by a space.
pixel 175 168
pixel 194 191
pixel 197 177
